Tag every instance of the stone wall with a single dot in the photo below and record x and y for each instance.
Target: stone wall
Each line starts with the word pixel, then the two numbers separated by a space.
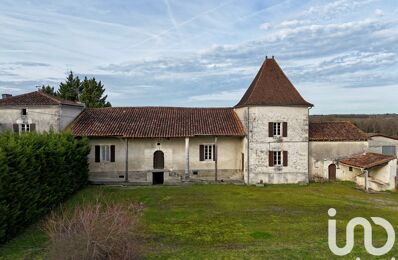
pixel 45 117
pixel 140 159
pixel 322 154
pixel 255 121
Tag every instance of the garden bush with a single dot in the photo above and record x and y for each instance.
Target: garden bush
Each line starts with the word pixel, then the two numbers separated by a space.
pixel 95 231
pixel 37 172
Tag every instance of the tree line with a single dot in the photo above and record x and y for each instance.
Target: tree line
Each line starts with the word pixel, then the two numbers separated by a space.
pixel 89 91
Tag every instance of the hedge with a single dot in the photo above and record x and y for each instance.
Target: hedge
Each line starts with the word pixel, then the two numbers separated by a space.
pixel 37 172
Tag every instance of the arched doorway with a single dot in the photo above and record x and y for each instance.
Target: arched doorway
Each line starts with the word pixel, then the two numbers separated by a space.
pixel 332 172
pixel 158 164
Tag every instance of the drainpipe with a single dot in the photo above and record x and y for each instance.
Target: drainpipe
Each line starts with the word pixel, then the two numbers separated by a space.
pixel 366 180
pixel 126 175
pixel 216 158
pixel 248 145
pixel 186 177
pixel 308 145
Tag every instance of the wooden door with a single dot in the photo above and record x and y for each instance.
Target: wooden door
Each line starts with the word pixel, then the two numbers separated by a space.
pixel 332 172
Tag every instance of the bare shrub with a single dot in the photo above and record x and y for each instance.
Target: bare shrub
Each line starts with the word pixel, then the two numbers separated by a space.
pixel 99 231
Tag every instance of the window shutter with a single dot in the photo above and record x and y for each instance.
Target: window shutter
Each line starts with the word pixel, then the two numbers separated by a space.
pixel 284 129
pixel 214 152
pixel 285 158
pixel 97 153
pixel 112 153
pixel 15 127
pixel 270 129
pixel 271 158
pixel 33 127
pixel 201 152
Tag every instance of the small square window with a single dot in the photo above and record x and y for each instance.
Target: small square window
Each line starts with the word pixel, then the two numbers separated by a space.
pixel 350 169
pixel 24 112
pixel 24 128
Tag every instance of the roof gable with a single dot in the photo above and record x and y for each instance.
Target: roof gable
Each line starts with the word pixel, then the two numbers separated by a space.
pixel 36 98
pixel 335 131
pixel 271 87
pixel 157 122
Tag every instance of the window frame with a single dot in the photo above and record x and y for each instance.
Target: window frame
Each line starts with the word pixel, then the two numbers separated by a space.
pixel 105 153
pixel 24 128
pixel 277 130
pixel 208 152
pixel 387 147
pixel 278 158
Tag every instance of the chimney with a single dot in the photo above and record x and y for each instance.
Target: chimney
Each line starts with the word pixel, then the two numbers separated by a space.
pixel 4 96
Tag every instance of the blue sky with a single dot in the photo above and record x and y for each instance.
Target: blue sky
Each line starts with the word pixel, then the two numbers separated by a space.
pixel 341 55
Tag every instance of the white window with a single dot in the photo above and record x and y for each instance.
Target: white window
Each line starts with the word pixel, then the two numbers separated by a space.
pixel 277 129
pixel 24 128
pixel 278 158
pixel 208 152
pixel 105 153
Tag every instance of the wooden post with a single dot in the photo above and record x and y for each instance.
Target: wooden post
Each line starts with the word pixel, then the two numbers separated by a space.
pixel 216 159
pixel 186 177
pixel 366 180
pixel 126 174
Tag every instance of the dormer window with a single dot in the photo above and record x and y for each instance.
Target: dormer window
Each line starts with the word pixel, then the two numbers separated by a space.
pixel 24 112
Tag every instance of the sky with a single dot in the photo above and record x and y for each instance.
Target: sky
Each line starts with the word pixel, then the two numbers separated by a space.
pixel 341 55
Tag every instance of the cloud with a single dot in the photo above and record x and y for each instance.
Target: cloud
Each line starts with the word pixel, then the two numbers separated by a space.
pixel 333 8
pixel 379 12
pixel 339 47
pixel 265 26
pixel 231 95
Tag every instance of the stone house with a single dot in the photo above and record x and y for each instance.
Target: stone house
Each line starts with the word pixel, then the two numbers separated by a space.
pixel 36 111
pixel 265 138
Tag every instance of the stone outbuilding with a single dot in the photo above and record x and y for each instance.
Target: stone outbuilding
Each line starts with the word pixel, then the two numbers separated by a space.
pixel 328 143
pixel 372 171
pixel 37 111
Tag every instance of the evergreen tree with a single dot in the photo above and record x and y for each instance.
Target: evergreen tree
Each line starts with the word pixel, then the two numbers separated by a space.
pixel 71 88
pixel 48 90
pixel 93 93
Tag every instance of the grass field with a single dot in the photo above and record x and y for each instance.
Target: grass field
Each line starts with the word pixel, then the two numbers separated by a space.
pixel 228 221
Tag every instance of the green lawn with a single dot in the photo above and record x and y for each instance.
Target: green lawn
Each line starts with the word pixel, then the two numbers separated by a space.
pixel 229 221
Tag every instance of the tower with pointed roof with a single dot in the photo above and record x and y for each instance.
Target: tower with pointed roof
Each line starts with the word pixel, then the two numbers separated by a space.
pixel 276 119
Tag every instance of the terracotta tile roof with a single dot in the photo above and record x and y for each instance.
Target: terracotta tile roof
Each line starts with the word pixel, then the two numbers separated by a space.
pixel 336 131
pixel 150 122
pixel 271 87
pixel 367 160
pixel 36 98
